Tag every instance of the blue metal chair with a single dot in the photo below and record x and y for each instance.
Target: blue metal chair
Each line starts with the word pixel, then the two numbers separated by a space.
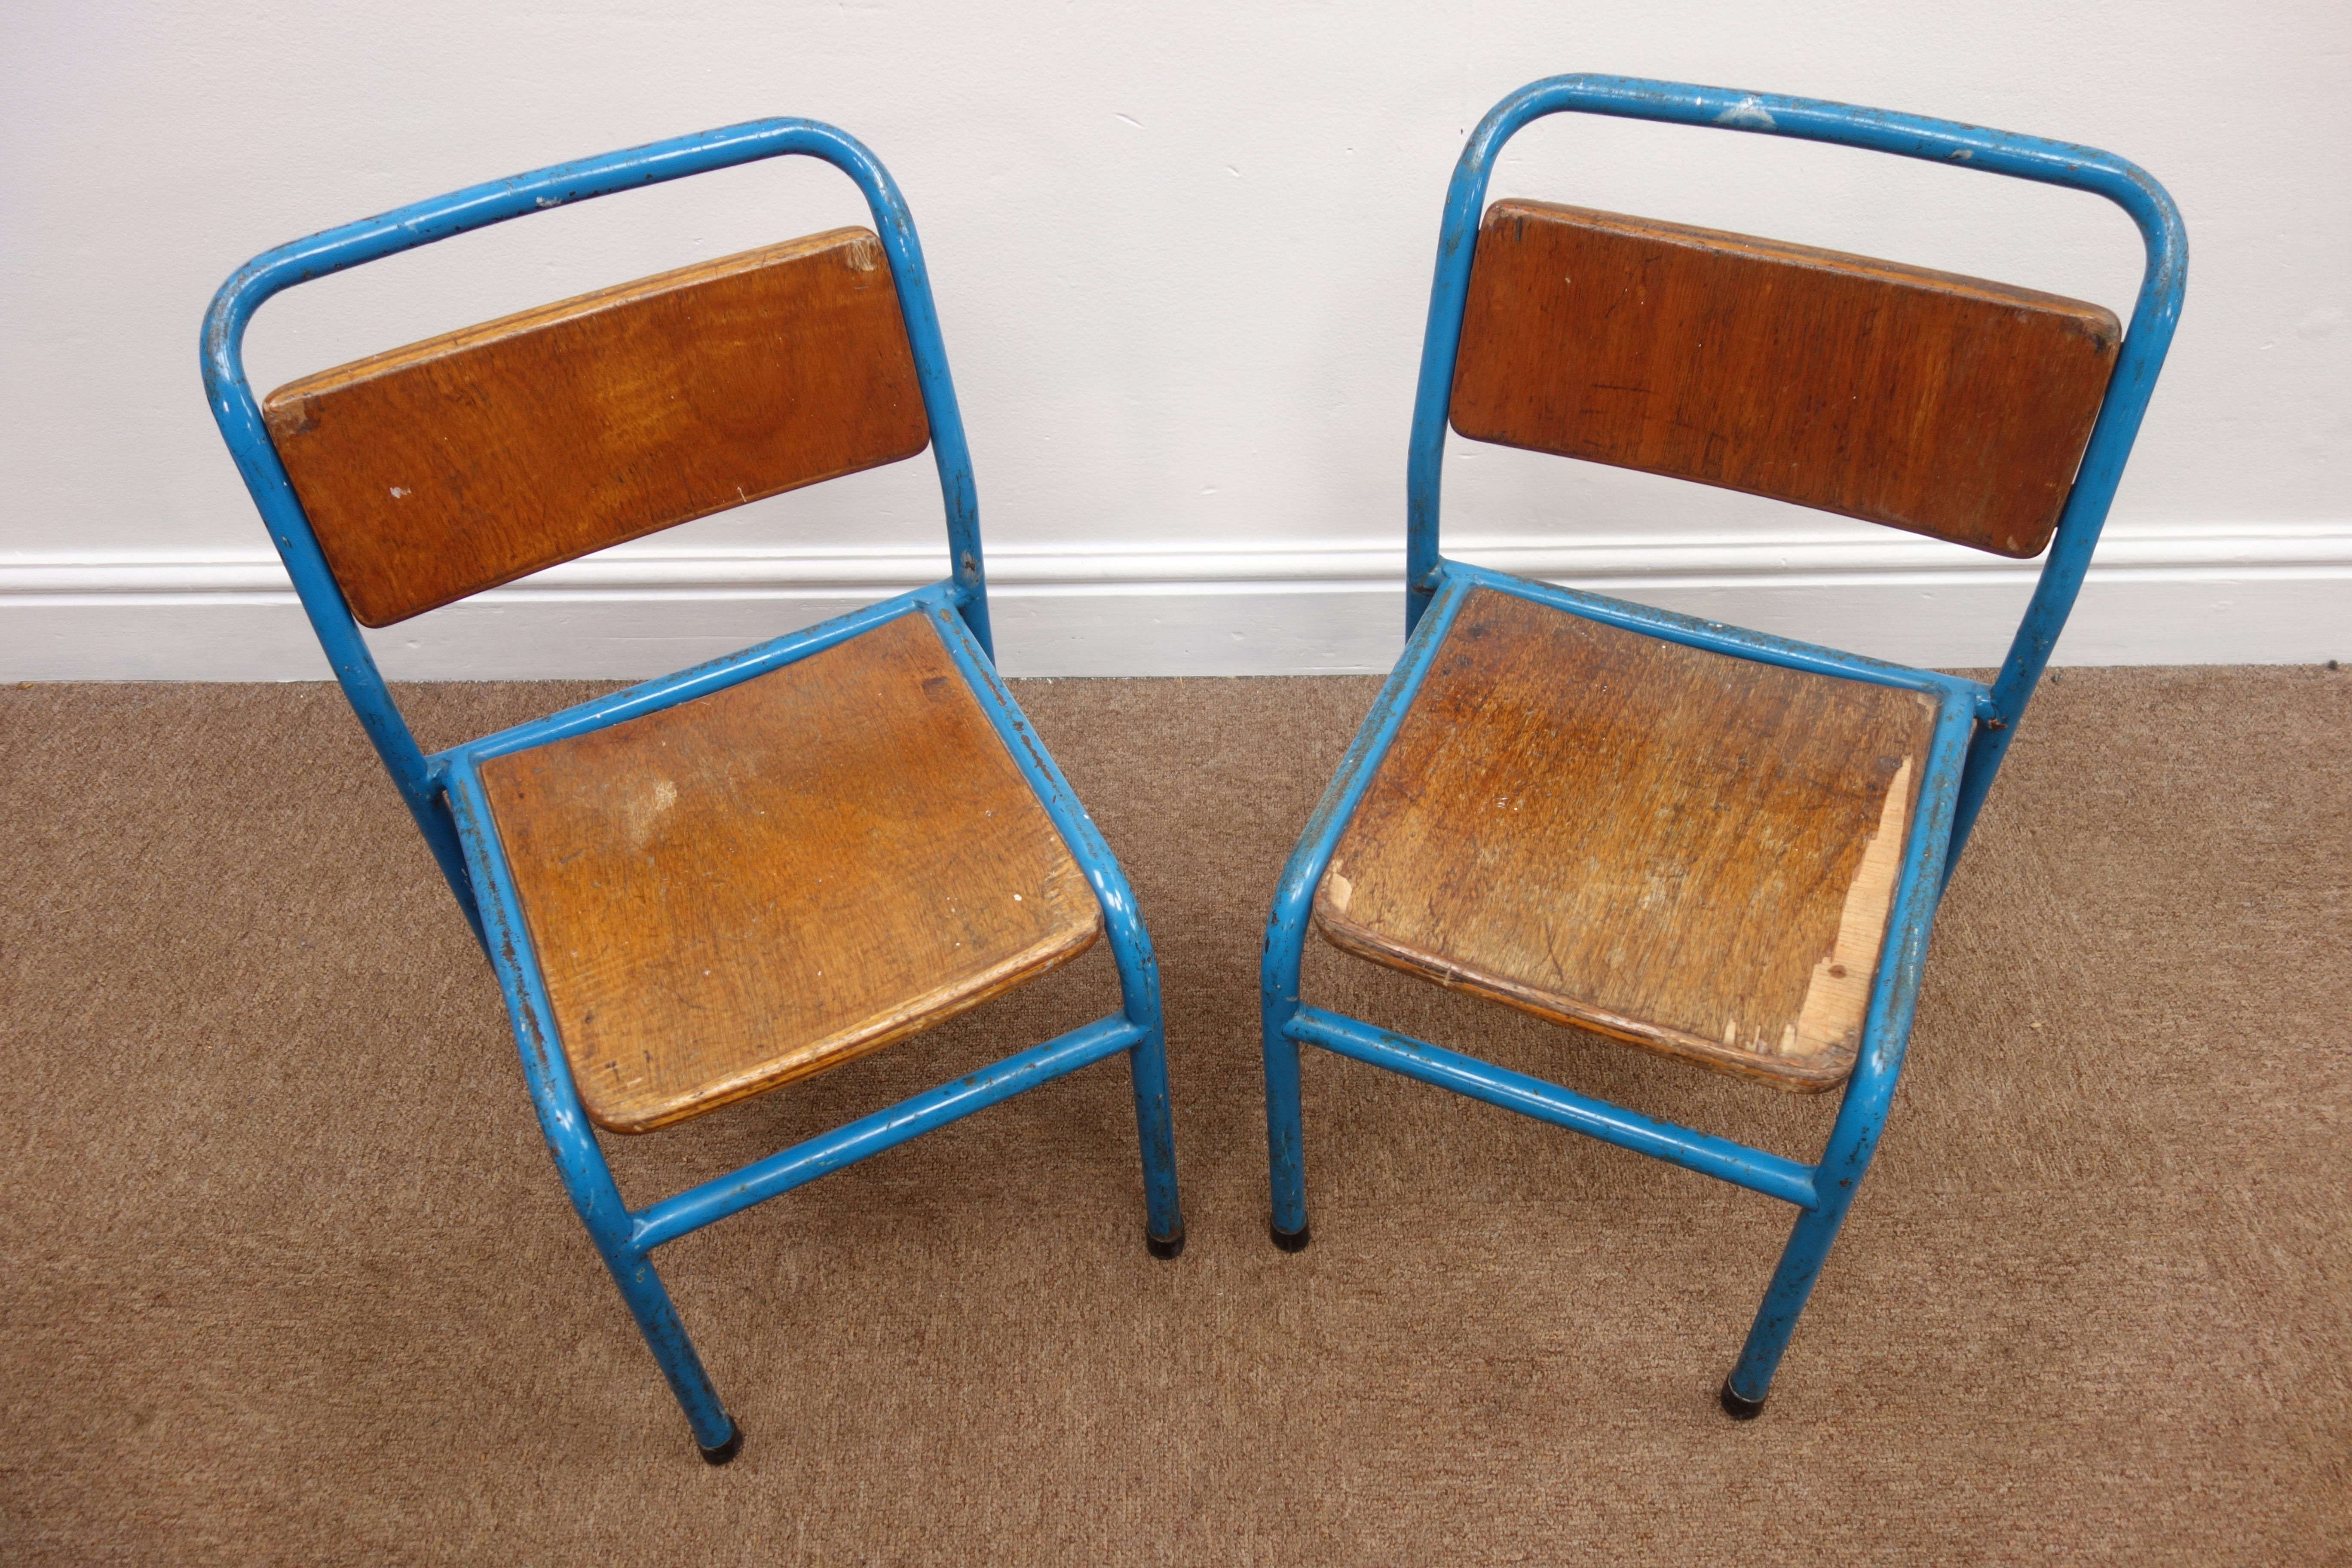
pixel 1558 798
pixel 698 802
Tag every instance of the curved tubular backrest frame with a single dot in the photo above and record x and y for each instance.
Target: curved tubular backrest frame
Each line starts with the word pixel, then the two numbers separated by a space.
pixel 2154 315
pixel 239 414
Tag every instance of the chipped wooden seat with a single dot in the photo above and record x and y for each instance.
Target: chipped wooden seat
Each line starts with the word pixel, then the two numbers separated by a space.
pixel 776 879
pixel 724 880
pixel 1715 843
pixel 1701 845
pixel 1689 851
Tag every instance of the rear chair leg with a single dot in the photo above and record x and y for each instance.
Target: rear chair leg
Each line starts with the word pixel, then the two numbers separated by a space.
pixel 1285 1163
pixel 1164 1219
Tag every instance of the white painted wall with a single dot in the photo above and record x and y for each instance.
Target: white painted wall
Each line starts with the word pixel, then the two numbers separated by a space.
pixel 1183 258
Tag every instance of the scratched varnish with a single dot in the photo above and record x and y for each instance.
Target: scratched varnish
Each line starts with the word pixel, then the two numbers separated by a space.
pixel 439 469
pixel 765 882
pixel 1689 851
pixel 1946 405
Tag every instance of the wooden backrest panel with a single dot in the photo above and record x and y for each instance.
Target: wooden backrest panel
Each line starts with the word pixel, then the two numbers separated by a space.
pixel 1942 405
pixel 451 465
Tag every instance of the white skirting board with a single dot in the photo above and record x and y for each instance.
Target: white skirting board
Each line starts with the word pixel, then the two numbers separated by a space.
pixel 2238 593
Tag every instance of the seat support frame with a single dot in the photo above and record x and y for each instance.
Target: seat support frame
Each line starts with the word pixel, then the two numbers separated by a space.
pixel 444 792
pixel 1974 725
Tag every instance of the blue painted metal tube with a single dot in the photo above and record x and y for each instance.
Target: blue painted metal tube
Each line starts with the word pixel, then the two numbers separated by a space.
pixel 1155 1131
pixel 1715 636
pixel 672 1217
pixel 564 1122
pixel 420 786
pixel 2155 315
pixel 1130 946
pixel 239 414
pixel 1737 1164
pixel 1286 925
pixel 701 681
pixel 1862 1116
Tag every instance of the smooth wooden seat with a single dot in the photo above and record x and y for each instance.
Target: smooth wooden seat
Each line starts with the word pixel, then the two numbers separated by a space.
pixel 759 884
pixel 1689 851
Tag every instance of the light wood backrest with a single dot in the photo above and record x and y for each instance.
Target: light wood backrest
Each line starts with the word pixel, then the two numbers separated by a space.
pixel 451 465
pixel 1942 405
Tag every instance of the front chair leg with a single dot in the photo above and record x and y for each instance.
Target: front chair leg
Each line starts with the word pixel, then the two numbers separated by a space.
pixel 1852 1143
pixel 715 1432
pixel 1793 1283
pixel 1844 1163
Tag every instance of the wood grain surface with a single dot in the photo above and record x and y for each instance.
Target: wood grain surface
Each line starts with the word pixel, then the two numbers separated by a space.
pixel 451 465
pixel 770 880
pixel 1942 405
pixel 1687 851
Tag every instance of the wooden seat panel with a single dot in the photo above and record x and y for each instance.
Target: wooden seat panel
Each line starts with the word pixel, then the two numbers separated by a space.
pixel 454 465
pixel 1685 850
pixel 762 883
pixel 1942 405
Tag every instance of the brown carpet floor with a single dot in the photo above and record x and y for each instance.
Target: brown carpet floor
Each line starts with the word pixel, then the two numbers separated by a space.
pixel 289 1277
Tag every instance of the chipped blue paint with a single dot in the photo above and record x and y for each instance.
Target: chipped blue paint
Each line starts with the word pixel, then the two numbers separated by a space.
pixel 1973 728
pixel 444 792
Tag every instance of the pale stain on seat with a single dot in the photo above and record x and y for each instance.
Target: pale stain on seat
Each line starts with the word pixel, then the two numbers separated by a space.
pixel 780 876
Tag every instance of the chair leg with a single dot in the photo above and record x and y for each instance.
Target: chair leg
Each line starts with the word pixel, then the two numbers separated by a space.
pixel 1147 1061
pixel 1286 1163
pixel 1750 1380
pixel 1860 1119
pixel 1852 1143
pixel 715 1432
pixel 1156 1133
pixel 1285 1159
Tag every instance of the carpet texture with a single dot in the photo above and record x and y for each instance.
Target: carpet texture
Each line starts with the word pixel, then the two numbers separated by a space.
pixel 289 1278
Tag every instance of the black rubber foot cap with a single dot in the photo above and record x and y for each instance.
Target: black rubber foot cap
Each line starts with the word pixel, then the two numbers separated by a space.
pixel 1288 1240
pixel 1737 1406
pixel 725 1451
pixel 1165 1247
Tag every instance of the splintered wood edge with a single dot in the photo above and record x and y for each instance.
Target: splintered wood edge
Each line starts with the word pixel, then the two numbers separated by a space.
pixel 1837 996
pixel 858 1040
pixel 282 408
